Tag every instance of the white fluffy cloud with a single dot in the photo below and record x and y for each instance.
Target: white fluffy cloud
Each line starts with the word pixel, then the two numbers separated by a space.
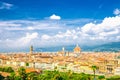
pixel 45 37
pixel 4 5
pixel 108 24
pixel 19 33
pixel 55 17
pixel 19 42
pixel 26 25
pixel 117 11
pixel 106 31
pixel 29 37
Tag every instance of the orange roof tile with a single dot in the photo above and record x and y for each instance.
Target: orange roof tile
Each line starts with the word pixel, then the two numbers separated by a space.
pixel 28 70
pixel 5 74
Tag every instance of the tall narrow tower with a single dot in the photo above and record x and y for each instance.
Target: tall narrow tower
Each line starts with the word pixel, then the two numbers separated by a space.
pixel 31 49
pixel 63 51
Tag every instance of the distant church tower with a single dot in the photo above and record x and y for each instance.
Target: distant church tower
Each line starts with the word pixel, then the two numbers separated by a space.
pixel 63 51
pixel 31 49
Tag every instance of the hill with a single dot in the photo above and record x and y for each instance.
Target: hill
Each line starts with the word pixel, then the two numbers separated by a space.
pixel 109 47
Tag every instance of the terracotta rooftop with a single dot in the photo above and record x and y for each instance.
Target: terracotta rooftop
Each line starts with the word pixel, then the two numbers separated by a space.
pixel 28 70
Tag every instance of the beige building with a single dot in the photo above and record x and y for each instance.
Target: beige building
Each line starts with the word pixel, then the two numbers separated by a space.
pixel 107 66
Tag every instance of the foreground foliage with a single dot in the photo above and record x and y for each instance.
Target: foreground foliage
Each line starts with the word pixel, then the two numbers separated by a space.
pixel 6 69
pixel 114 78
pixel 53 75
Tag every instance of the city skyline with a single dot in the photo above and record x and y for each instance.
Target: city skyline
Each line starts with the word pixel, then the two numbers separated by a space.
pixel 51 23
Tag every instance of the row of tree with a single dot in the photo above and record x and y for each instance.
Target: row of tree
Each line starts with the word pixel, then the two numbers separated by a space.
pixel 6 69
pixel 54 75
pixel 50 75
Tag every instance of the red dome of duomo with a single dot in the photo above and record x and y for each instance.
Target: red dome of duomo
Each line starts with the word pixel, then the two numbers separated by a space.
pixel 77 49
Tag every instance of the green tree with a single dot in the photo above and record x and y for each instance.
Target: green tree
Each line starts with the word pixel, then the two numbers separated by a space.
pixel 32 76
pixel 69 73
pixel 55 68
pixel 114 78
pixel 10 69
pixel 101 77
pixel 1 68
pixel 22 73
pixel 1 77
pixel 18 78
pixel 12 76
pixel 94 70
pixel 27 64
pixel 6 69
pixel 58 77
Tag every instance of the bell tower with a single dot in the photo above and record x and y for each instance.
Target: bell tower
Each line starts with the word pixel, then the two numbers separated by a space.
pixel 31 49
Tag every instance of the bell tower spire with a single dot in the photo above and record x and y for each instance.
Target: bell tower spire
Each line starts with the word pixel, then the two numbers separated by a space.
pixel 31 49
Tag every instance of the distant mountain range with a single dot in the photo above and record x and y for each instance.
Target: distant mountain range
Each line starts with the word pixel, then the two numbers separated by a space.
pixel 109 47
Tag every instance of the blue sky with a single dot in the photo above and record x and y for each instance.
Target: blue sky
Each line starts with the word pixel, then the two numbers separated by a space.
pixel 45 23
pixel 67 9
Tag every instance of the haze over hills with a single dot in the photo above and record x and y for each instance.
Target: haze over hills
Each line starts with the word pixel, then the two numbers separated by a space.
pixel 110 47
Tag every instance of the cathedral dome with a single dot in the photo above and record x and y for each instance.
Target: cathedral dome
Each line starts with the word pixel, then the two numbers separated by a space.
pixel 77 49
